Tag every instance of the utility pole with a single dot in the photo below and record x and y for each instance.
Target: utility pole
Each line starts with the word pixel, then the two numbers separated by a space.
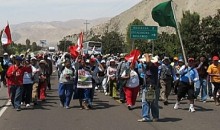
pixel 86 23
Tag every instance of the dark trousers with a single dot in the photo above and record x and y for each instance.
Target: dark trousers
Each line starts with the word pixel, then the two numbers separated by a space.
pixel 48 83
pixel 216 89
pixel 121 85
pixel 27 93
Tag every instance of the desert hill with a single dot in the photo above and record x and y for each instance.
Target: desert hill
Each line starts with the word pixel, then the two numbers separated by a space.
pixel 142 11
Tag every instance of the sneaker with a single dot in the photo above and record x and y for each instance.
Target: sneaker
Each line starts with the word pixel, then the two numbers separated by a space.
pixel 204 101
pixel 129 107
pixel 67 107
pixel 35 103
pixel 90 106
pixel 165 103
pixel 85 105
pixel 28 105
pixel 18 109
pixel 61 104
pixel 192 109
pixel 22 103
pixel 96 88
pixel 143 120
pixel 155 120
pixel 176 106
pixel 120 101
pixel 106 93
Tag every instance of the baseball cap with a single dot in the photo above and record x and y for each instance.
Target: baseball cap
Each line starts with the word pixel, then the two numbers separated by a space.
pixel 215 58
pixel 92 60
pixel 33 58
pixel 112 60
pixel 180 60
pixel 18 58
pixel 5 54
pixel 103 61
pixel 42 62
pixel 191 59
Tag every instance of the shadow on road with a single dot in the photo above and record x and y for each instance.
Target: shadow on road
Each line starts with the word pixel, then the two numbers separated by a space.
pixel 98 104
pixel 202 109
pixel 169 119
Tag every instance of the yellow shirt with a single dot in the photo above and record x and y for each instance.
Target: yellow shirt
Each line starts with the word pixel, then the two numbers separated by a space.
pixel 214 70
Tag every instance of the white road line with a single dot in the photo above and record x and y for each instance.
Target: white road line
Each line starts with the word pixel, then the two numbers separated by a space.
pixel 4 108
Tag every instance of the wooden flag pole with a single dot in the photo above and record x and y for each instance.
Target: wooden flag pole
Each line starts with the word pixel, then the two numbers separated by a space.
pixel 178 32
pixel 181 41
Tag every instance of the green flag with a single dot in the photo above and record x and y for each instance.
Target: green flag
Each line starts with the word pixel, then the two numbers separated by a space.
pixel 163 14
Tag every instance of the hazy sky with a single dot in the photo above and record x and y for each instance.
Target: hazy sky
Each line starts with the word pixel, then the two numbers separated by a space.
pixel 19 11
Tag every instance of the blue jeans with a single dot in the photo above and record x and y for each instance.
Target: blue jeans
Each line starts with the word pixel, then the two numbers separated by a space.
pixel 87 95
pixel 65 93
pixel 16 95
pixel 148 107
pixel 201 85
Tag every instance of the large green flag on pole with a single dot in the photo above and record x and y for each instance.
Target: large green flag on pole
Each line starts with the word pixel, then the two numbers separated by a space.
pixel 163 14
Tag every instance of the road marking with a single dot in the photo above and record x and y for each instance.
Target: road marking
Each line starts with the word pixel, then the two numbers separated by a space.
pixel 4 108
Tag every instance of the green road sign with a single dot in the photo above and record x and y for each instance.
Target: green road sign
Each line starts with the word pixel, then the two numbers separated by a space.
pixel 143 32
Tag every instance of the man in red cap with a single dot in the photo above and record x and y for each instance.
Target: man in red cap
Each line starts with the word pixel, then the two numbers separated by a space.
pixel 214 72
pixel 188 76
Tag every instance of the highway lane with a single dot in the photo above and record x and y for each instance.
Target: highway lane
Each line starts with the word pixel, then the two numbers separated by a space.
pixel 106 115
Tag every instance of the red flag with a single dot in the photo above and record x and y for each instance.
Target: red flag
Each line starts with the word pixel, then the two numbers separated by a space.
pixel 6 36
pixel 73 51
pixel 133 56
pixel 80 42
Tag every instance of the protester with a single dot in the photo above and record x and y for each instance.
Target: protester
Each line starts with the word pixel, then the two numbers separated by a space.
pixel 66 82
pixel 177 73
pixel 6 63
pixel 84 84
pixel 27 83
pixel 111 73
pixel 214 73
pixel 150 90
pixel 1 69
pixel 42 80
pixel 49 68
pixel 132 87
pixel 166 76
pixel 122 66
pixel 35 76
pixel 101 74
pixel 188 76
pixel 202 82
pixel 15 75
pixel 94 67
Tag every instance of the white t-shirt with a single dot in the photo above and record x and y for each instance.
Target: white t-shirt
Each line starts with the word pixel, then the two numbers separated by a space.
pixel 133 81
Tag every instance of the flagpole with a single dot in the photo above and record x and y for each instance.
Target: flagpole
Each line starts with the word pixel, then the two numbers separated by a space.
pixel 181 42
pixel 178 32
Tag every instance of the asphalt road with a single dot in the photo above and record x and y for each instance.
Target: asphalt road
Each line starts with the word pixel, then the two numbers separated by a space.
pixel 106 115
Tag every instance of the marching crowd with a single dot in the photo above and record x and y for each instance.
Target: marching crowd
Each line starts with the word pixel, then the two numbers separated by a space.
pixel 154 78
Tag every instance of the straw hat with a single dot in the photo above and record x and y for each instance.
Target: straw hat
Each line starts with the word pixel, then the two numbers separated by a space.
pixel 42 62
